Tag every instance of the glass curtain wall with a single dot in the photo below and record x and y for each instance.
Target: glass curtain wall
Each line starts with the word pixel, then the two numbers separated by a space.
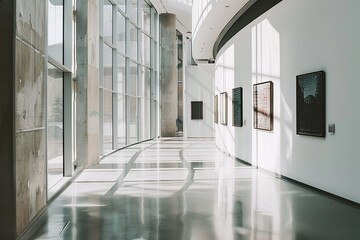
pixel 60 93
pixel 128 73
pixel 55 103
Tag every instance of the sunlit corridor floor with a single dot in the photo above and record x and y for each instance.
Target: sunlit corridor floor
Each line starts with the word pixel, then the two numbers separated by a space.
pixel 188 189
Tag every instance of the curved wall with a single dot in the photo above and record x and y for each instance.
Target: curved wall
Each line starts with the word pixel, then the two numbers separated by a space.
pixel 292 38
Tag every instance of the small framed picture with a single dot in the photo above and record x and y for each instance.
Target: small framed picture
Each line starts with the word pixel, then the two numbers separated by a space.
pixel 196 110
pixel 216 109
pixel 237 107
pixel 223 108
pixel 263 106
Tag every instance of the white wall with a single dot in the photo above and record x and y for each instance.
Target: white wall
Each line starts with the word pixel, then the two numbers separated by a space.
pixel 292 38
pixel 199 86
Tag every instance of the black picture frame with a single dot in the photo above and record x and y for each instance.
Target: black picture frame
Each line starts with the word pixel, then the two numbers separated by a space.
pixel 224 108
pixel 263 106
pixel 310 104
pixel 216 109
pixel 237 101
pixel 196 110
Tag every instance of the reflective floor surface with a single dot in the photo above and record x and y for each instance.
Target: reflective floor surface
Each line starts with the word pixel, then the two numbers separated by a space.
pixel 187 189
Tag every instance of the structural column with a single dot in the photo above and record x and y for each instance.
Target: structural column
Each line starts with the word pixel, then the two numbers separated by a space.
pixel 87 82
pixel 168 75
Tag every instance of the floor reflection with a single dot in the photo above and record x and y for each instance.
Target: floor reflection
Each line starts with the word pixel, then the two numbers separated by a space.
pixel 188 189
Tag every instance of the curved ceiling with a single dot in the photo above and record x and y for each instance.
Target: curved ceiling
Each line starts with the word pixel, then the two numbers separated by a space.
pixel 211 23
pixel 212 16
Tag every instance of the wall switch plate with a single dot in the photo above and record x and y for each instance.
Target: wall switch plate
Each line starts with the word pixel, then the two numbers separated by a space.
pixel 331 128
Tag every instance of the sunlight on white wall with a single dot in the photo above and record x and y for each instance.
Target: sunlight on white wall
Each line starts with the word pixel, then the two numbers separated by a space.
pixel 219 76
pixel 266 146
pixel 199 86
pixel 225 76
pixel 229 80
pixel 287 127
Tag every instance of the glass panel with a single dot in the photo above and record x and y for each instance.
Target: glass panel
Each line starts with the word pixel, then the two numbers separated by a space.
pixel 121 36
pixel 154 57
pixel 147 117
pixel 145 16
pixel 145 55
pixel 153 118
pixel 55 112
pixel 107 67
pixel 55 30
pixel 141 82
pixel 108 113
pixel 121 71
pixel 133 119
pixel 154 86
pixel 132 49
pixel 121 121
pixel 107 24
pixel 132 79
pixel 155 25
pixel 121 4
pixel 147 82
pixel 144 83
pixel 132 10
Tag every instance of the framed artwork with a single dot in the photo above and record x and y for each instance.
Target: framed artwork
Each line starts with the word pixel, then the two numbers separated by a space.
pixel 263 106
pixel 196 110
pixel 310 104
pixel 223 108
pixel 237 107
pixel 216 109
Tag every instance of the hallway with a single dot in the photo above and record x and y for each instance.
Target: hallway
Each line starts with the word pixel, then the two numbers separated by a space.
pixel 187 189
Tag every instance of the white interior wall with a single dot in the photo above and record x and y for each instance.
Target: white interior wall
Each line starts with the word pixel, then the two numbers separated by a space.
pixel 199 86
pixel 292 38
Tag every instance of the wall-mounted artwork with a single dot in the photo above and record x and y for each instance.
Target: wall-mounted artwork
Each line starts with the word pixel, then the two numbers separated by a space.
pixel 196 110
pixel 263 106
pixel 216 109
pixel 223 108
pixel 310 104
pixel 237 107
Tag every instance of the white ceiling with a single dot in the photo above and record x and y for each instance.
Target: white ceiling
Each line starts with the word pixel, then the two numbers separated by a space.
pixel 182 9
pixel 221 12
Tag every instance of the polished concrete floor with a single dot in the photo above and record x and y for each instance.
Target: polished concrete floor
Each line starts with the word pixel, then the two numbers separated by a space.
pixel 187 189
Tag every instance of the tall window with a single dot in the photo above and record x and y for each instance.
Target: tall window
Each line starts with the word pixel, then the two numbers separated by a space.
pixel 128 73
pixel 55 98
pixel 55 30
pixel 59 94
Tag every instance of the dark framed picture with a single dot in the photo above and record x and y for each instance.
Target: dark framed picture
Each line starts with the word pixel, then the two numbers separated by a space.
pixel 310 104
pixel 263 106
pixel 237 107
pixel 223 108
pixel 216 109
pixel 196 110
